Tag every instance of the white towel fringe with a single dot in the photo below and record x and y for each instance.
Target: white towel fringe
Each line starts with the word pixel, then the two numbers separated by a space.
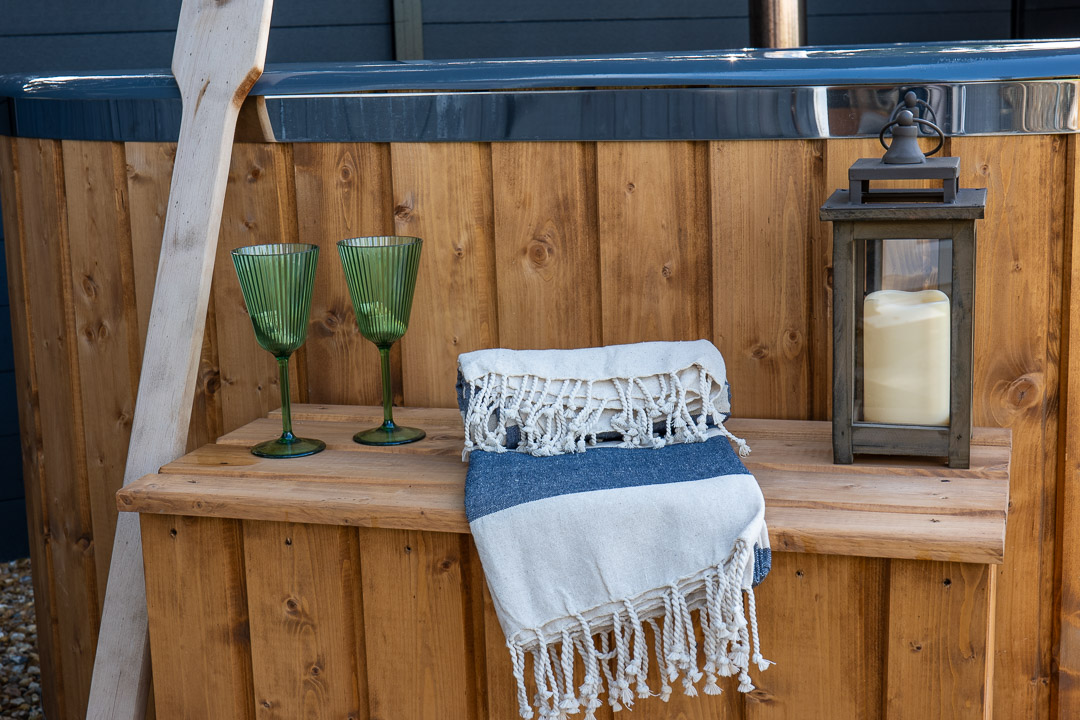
pixel 557 416
pixel 727 614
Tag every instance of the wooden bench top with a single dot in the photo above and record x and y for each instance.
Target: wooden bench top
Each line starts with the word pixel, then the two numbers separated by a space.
pixel 878 507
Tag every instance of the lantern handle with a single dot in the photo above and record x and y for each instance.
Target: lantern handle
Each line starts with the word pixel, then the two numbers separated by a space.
pixel 919 121
pixel 912 104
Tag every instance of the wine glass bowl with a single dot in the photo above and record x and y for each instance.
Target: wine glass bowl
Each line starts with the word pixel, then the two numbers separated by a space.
pixel 381 274
pixel 277 281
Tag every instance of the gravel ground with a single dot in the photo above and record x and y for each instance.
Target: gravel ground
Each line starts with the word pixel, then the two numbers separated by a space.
pixel 20 676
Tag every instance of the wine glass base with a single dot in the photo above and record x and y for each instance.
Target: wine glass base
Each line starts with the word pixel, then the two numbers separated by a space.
pixel 395 435
pixel 297 447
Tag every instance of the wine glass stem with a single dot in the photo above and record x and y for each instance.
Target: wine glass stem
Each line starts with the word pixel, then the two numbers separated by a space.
pixel 286 406
pixel 387 389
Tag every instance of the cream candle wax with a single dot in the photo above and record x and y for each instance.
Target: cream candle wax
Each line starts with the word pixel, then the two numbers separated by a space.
pixel 906 357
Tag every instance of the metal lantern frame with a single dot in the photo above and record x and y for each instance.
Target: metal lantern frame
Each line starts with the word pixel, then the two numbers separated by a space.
pixel 861 214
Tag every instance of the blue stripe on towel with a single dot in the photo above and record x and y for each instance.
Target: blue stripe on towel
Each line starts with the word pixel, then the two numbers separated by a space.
pixel 501 480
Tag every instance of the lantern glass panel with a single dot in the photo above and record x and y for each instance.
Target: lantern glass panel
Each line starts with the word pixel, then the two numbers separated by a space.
pixel 903 327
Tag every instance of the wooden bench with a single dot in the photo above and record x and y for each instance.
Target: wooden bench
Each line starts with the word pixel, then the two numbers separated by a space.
pixel 346 585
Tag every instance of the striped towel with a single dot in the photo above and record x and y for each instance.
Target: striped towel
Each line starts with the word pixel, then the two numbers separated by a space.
pixel 604 497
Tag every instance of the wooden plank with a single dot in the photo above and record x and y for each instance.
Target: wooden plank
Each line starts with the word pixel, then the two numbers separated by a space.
pixel 67 506
pixel 443 195
pixel 813 505
pixel 1068 645
pixel 149 175
pixel 303 584
pixel 546 244
pixel 197 607
pixel 416 625
pixel 259 208
pixel 149 170
pixel 940 641
pixel 654 236
pixel 827 608
pixel 1017 316
pixel 26 392
pixel 763 262
pixel 218 56
pixel 106 326
pixel 342 191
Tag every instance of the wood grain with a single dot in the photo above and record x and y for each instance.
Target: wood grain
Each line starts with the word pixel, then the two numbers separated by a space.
pixel 149 175
pixel 766 329
pixel 197 606
pixel 812 505
pixel 415 624
pixel 1067 642
pixel 106 325
pixel 653 201
pixel 307 643
pixel 1017 321
pixel 259 208
pixel 67 505
pixel 35 481
pixel 546 244
pixel 343 190
pixel 940 640
pixel 807 609
pixel 443 195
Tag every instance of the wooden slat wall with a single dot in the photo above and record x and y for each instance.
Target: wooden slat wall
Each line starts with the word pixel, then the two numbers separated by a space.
pixel 541 245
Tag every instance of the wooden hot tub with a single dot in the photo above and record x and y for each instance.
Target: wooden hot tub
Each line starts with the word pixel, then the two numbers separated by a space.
pixel 564 202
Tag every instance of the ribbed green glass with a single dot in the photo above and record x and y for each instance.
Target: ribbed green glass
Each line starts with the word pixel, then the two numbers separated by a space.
pixel 381 274
pixel 277 281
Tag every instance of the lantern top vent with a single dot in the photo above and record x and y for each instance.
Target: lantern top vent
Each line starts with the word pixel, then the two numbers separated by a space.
pixel 904 160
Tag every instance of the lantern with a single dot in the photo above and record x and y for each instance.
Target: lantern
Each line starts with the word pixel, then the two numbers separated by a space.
pixel 903 299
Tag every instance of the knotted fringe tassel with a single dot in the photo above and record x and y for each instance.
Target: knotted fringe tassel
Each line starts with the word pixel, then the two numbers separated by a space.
pixel 564 416
pixel 620 666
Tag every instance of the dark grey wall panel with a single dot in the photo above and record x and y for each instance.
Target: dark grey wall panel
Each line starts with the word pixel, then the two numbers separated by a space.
pixel 21 17
pixel 441 11
pixel 864 29
pixel 129 50
pixel 458 40
pixel 1052 22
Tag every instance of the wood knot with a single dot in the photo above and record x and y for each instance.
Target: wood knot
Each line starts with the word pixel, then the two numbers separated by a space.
pixel 172 532
pixel 459 250
pixel 539 252
pixel 666 271
pixel 403 212
pixel 630 187
pixel 759 352
pixel 1023 392
pixel 408 549
pixel 288 541
pixel 210 380
pixel 946 582
pixel 915 646
pixel 89 287
pixel 446 564
pixel 798 573
pixel 254 174
pixel 291 606
pixel 345 174
pixel 330 323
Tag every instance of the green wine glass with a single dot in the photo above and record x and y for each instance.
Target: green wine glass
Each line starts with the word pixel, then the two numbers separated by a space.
pixel 381 274
pixel 277 281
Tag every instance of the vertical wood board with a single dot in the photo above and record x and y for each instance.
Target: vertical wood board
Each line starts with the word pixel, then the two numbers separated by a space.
pixel 653 201
pixel 546 246
pixel 303 588
pixel 342 191
pixel 197 605
pixel 443 195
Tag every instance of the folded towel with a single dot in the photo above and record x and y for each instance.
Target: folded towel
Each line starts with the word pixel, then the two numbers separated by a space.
pixel 584 543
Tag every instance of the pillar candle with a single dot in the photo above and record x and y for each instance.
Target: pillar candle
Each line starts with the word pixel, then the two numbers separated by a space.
pixel 906 357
